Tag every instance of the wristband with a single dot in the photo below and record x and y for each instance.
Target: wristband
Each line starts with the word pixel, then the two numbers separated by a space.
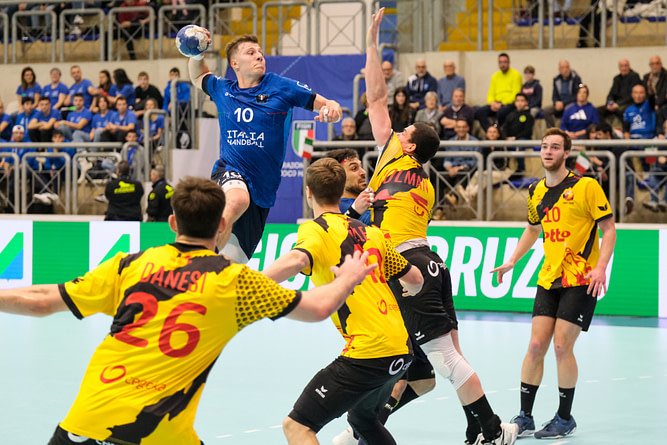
pixel 352 213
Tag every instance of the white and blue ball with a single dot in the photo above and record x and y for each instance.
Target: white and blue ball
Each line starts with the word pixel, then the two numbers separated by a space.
pixel 192 40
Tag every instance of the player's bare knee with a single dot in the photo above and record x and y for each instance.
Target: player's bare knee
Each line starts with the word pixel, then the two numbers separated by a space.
pixel 563 351
pixel 292 428
pixel 537 348
pixel 421 387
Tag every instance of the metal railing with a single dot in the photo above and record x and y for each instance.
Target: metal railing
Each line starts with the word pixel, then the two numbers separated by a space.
pixel 4 19
pixel 167 27
pixel 98 182
pixel 8 177
pixel 132 35
pixel 350 27
pixel 220 23
pixel 147 147
pixel 183 117
pixel 277 14
pixel 48 181
pixel 86 34
pixel 26 39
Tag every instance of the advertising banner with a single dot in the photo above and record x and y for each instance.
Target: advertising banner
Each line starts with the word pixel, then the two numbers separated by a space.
pixel 51 252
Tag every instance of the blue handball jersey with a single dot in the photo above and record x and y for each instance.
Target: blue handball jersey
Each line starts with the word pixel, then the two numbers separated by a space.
pixel 256 119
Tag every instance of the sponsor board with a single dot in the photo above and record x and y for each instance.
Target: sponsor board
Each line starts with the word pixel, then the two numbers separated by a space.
pixel 52 252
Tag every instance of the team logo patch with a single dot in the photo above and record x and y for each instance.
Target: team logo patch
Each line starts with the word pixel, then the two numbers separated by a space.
pixel 568 195
pixel 261 98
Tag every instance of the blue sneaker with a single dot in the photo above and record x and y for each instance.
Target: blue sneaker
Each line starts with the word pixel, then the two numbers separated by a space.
pixel 557 428
pixel 526 424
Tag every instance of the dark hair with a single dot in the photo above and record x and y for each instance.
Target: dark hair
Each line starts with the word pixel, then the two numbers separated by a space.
pixel 43 98
pixel 341 154
pixel 78 95
pixel 504 55
pixel 198 204
pixel 604 127
pixel 554 131
pixel 175 70
pixel 522 95
pixel 121 97
pixel 120 77
pixel 233 45
pixel 123 168
pixel 103 98
pixel 106 86
pixel 57 132
pixel 582 86
pixel 500 132
pixel 26 99
pixel 326 179
pixel 529 69
pixel 396 113
pixel 426 140
pixel 25 85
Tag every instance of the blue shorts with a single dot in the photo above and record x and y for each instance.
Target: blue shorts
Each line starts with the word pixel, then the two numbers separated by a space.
pixel 249 228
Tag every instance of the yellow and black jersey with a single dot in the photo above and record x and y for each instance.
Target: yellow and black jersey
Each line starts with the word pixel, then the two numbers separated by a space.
pixel 370 320
pixel 404 195
pixel 174 308
pixel 569 214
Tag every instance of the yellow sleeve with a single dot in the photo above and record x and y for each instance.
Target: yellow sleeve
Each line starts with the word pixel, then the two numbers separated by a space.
pixel 597 202
pixel 491 96
pixel 260 297
pixel 533 217
pixel 97 291
pixel 307 241
pixel 518 82
pixel 395 265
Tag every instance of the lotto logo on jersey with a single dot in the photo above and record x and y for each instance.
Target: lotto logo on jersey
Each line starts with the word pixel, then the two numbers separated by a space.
pixel 556 235
pixel 15 254
pixel 107 238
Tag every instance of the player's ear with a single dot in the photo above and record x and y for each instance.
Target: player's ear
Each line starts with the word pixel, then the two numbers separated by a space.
pixel 172 223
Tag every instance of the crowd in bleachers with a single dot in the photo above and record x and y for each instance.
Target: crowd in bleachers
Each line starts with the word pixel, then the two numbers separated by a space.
pixel 636 108
pixel 112 111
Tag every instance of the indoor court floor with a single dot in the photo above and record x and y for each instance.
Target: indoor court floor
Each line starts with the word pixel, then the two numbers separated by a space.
pixel 621 397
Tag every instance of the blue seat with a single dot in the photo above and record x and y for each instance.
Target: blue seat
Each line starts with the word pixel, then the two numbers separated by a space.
pixel 557 21
pixel 524 183
pixel 656 19
pixel 573 20
pixel 630 19
pixel 90 37
pixel 526 22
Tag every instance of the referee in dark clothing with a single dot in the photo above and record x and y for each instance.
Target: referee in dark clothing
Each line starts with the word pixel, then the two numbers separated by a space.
pixel 159 200
pixel 124 195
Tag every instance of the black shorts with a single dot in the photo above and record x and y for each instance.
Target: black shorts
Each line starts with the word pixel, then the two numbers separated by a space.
pixel 421 368
pixel 358 386
pixel 429 314
pixel 571 304
pixel 62 437
pixel 249 228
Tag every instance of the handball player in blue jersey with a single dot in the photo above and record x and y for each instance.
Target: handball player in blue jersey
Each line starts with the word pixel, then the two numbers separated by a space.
pixel 254 113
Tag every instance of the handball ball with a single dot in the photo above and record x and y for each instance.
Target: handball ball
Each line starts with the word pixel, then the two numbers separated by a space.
pixel 191 40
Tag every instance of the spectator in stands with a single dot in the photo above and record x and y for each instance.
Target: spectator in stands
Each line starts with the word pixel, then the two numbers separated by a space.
pixel 364 130
pixel 182 91
pixel 620 94
pixel 430 113
pixel 28 113
pixel 103 89
pixel 592 15
pixel 519 126
pixel 579 116
pixel 458 109
pixel 6 124
pixel 533 90
pixel 101 120
pixel 131 23
pixel 493 134
pixel 41 126
pixel 159 199
pixel 598 167
pixel 564 93
pixel 459 169
pixel 655 82
pixel 124 195
pixel 28 87
pixel 143 91
pixel 505 84
pixel 155 125
pixel 419 84
pixel 657 179
pixel 77 126
pixel 122 86
pixel 55 165
pixel 447 84
pixel 56 90
pixel 393 78
pixel 132 152
pixel 123 121
pixel 348 129
pixel 401 113
pixel 80 85
pixel 638 123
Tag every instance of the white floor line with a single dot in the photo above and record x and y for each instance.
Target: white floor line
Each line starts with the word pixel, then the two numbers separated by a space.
pixel 224 436
pixel 251 431
pixel 617 379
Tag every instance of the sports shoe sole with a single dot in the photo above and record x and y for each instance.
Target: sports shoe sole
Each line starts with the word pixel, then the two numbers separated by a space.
pixel 558 436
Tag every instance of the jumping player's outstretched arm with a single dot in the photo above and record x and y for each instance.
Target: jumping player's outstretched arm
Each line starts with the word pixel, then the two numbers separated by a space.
pixel 376 88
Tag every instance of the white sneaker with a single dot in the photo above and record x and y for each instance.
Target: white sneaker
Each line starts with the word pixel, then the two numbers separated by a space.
pixel 345 438
pixel 78 20
pixel 102 198
pixel 42 197
pixel 85 166
pixel 508 434
pixel 55 199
